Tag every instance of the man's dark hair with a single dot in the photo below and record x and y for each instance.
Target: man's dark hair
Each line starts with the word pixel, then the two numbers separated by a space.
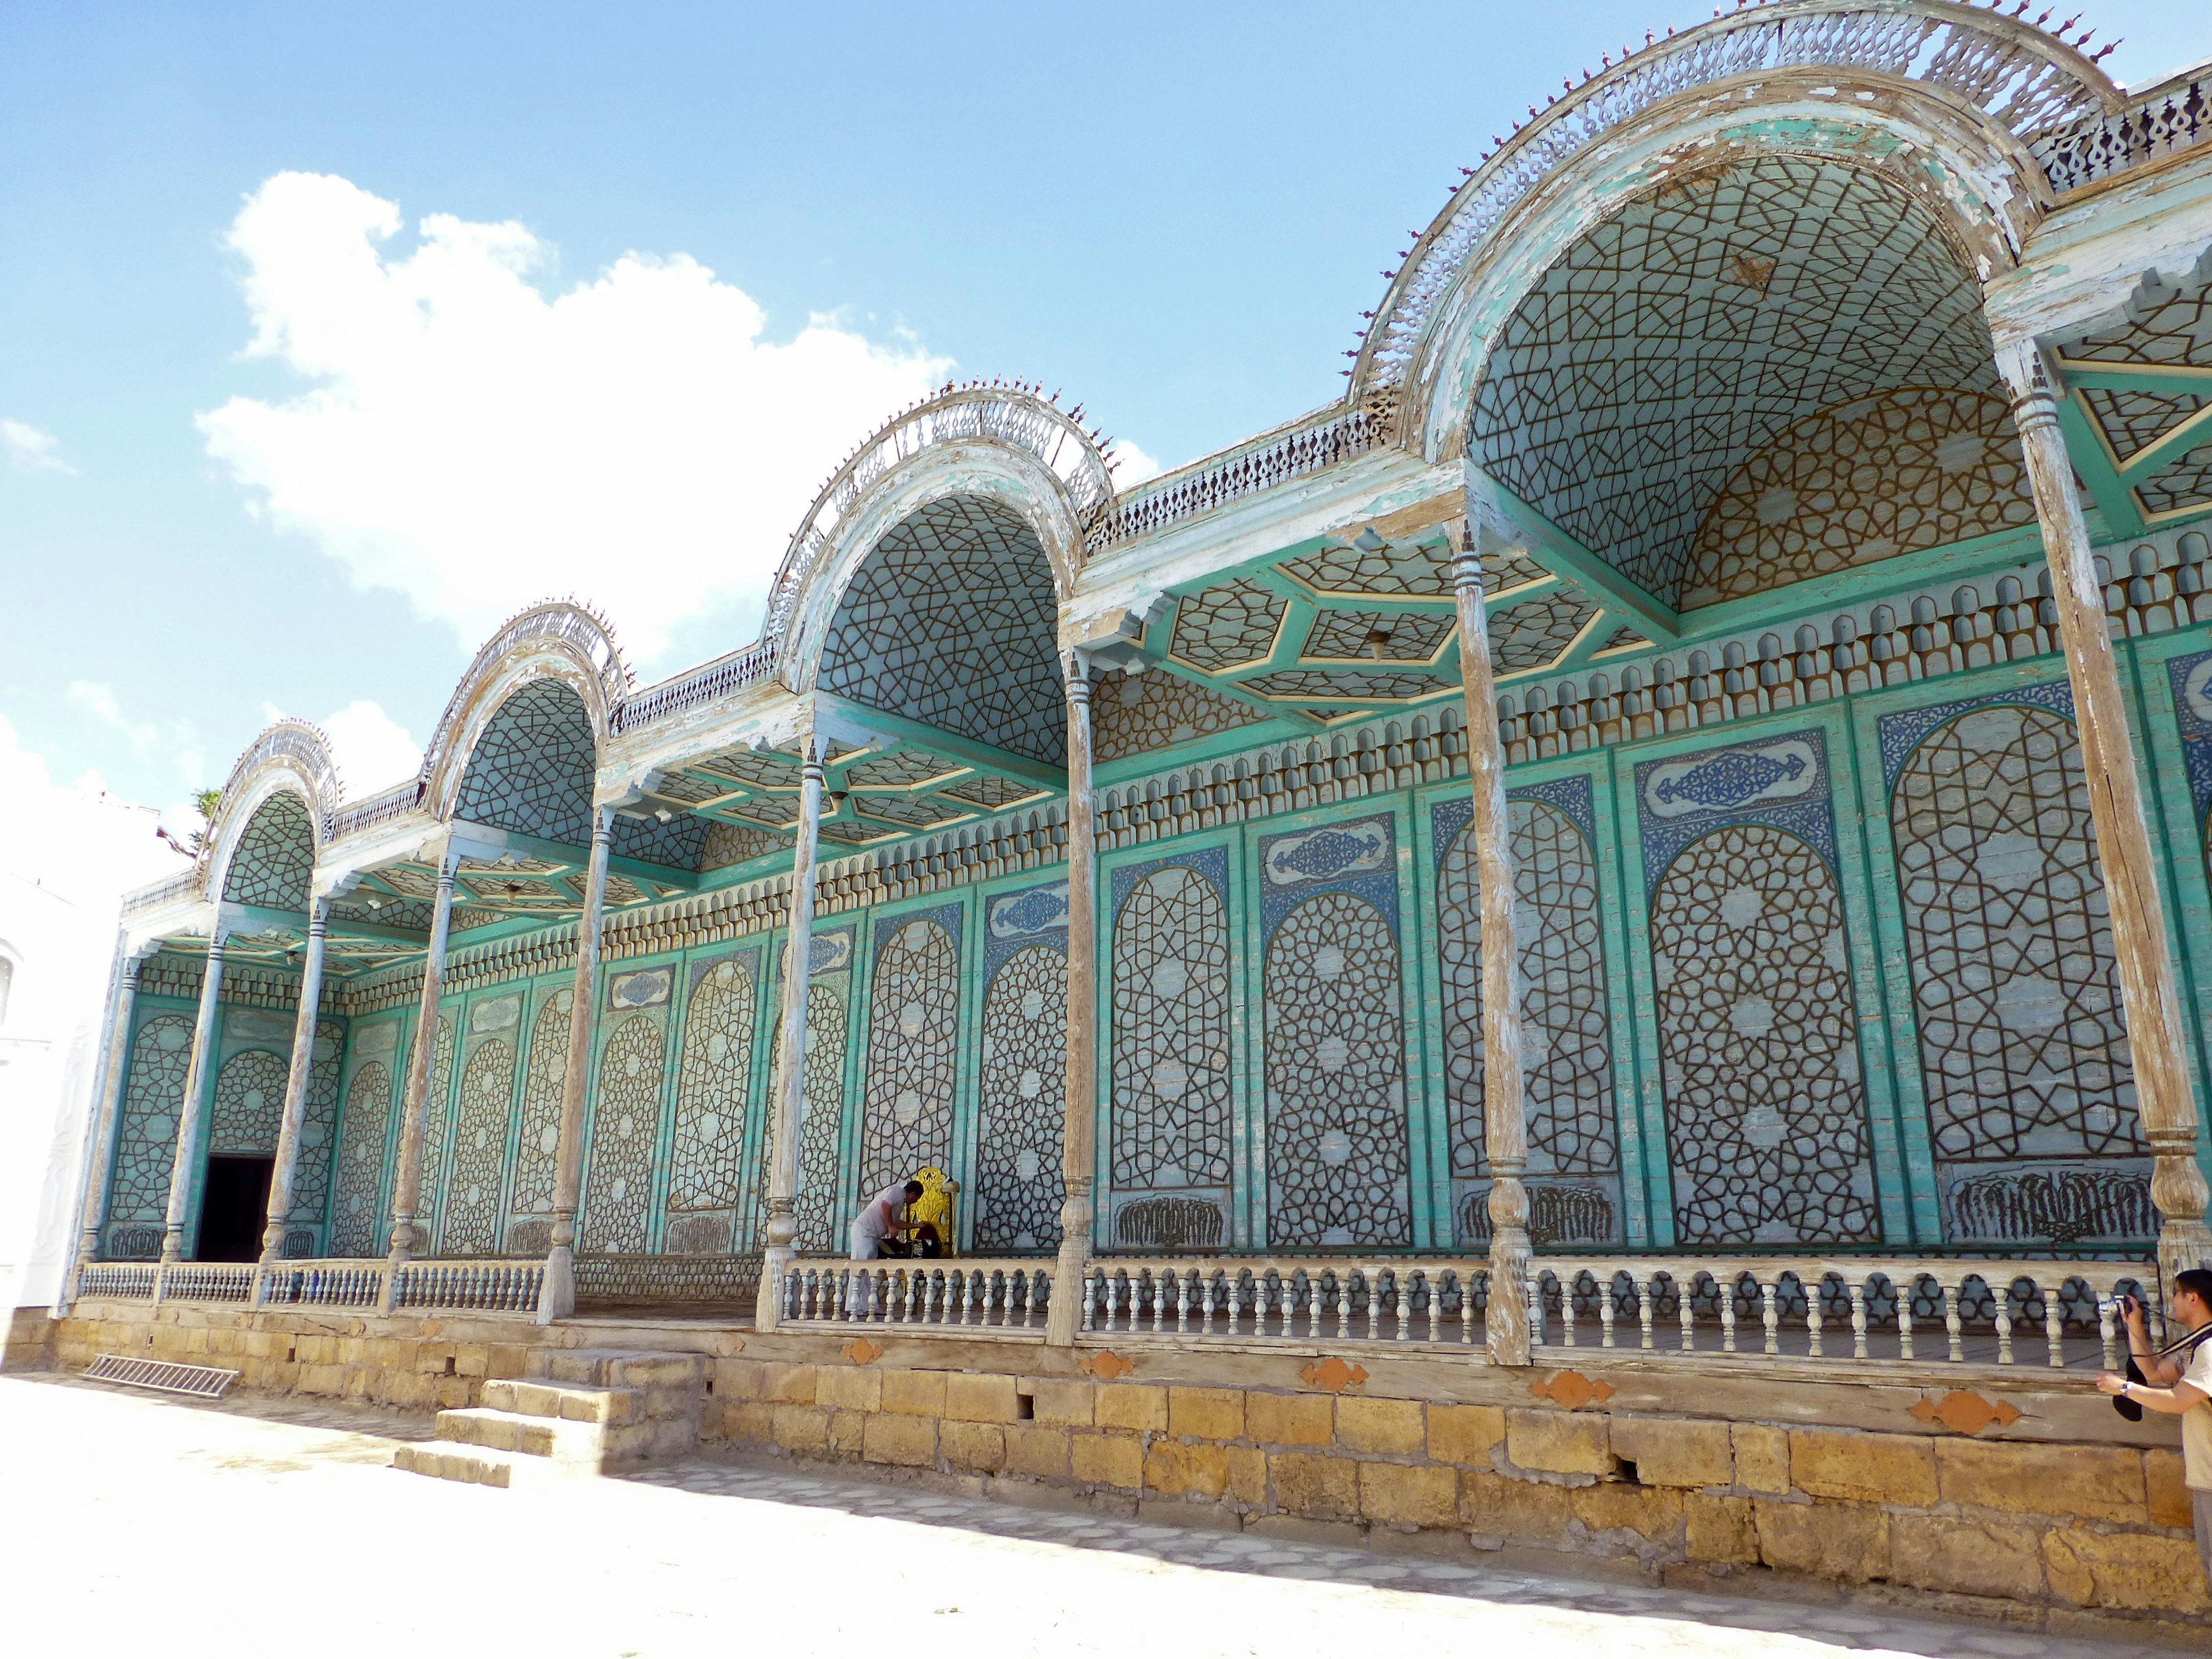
pixel 915 1189
pixel 2197 1281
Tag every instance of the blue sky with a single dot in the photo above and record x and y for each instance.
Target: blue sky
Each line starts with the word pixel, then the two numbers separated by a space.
pixel 214 216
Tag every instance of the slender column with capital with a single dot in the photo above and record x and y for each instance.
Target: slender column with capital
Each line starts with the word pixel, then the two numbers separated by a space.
pixel 189 1117
pixel 557 1293
pixel 790 1054
pixel 1079 1134
pixel 2155 1019
pixel 107 1099
pixel 296 1095
pixel 407 1182
pixel 1504 1118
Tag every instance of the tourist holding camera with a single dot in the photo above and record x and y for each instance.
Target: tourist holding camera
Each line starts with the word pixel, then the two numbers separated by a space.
pixel 2178 1378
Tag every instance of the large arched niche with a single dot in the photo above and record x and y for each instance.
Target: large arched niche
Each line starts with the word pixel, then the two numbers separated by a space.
pixel 1764 368
pixel 532 768
pixel 952 620
pixel 276 807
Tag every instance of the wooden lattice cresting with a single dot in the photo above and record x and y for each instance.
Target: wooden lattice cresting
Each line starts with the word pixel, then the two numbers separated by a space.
pixel 162 1375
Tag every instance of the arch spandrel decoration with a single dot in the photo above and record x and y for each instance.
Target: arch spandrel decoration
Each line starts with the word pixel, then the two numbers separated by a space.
pixel 913 1017
pixel 1574 1160
pixel 1168 1144
pixel 2023 1043
pixel 713 1081
pixel 1337 1140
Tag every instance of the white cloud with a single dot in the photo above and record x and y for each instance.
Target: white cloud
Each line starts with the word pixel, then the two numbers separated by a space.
pixel 372 750
pixel 178 739
pixel 476 445
pixel 77 840
pixel 1132 465
pixel 30 450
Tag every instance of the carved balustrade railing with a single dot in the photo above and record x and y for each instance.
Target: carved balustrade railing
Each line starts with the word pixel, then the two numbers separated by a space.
pixel 655 1281
pixel 697 687
pixel 951 1293
pixel 164 892
pixel 1272 460
pixel 356 817
pixel 477 1286
pixel 2164 120
pixel 489 1286
pixel 1298 1300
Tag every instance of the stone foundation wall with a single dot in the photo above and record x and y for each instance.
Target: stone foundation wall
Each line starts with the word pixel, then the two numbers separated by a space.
pixel 2033 1501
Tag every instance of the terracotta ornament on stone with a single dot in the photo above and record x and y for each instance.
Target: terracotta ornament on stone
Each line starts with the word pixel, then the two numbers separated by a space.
pixel 1573 1390
pixel 1106 1365
pixel 1964 1413
pixel 1333 1374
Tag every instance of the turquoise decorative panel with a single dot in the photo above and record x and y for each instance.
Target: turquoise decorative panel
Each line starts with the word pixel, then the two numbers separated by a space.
pixel 623 1132
pixel 358 1187
pixel 1757 1024
pixel 1024 1072
pixel 713 1083
pixel 470 1225
pixel 1338 1146
pixel 146 1134
pixel 912 1049
pixel 529 1226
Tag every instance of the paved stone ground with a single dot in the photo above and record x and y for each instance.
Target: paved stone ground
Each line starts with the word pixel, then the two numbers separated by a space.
pixel 137 1522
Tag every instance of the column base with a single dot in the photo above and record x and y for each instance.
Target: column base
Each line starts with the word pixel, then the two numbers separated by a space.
pixel 556 1292
pixel 1064 1313
pixel 768 1303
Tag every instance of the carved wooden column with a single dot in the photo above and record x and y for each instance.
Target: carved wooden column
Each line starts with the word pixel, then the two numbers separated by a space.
pixel 790 1054
pixel 1079 1107
pixel 556 1294
pixel 296 1095
pixel 108 1083
pixel 1504 1121
pixel 189 1117
pixel 407 1182
pixel 2154 1017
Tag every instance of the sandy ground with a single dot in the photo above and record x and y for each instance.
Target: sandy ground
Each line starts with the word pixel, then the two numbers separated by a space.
pixel 138 1525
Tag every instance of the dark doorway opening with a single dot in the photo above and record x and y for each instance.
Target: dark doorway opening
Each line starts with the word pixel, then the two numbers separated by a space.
pixel 234 1209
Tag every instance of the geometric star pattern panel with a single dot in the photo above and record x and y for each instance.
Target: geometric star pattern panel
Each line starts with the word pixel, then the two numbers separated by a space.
pixel 1672 343
pixel 1897 473
pixel 711 1080
pixel 1169 1146
pixel 275 857
pixel 437 1106
pixel 1533 632
pixel 1758 1045
pixel 951 620
pixel 356 1205
pixel 471 1223
pixel 2023 1043
pixel 821 1091
pixel 914 1008
pixel 146 1137
pixel 625 1123
pixel 249 1104
pixel 1337 1154
pixel 538 1142
pixel 311 1175
pixel 1566 1050
pixel 1135 714
pixel 1227 626
pixel 2174 332
pixel 532 770
pixel 1018 1185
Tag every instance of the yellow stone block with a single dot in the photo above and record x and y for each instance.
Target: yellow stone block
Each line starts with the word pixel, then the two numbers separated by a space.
pixel 978 1447
pixel 1675 1451
pixel 985 1398
pixel 2136 1572
pixel 1311 1484
pixel 472 1360
pixel 1393 1428
pixel 2099 1483
pixel 1176 1470
pixel 1290 1420
pixel 740 1379
pixel 1762 1459
pixel 1970 1557
pixel 1867 1468
pixel 2168 1494
pixel 1498 1506
pixel 1206 1414
pixel 913 1393
pixel 802 1428
pixel 751 1421
pixel 788 1385
pixel 1138 1406
pixel 1720 1529
pixel 1040 1452
pixel 1067 1404
pixel 1559 1443
pixel 850 1387
pixel 1409 1497
pixel 1465 1434
pixel 1247 1476
pixel 1106 1459
pixel 901 1439
pixel 1846 1542
pixel 1653 1512
pixel 848 1433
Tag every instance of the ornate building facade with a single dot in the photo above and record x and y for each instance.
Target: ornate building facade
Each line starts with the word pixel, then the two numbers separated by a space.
pixel 1754 585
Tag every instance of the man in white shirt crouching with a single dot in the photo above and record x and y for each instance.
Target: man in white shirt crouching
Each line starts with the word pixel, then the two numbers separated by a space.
pixel 879 1218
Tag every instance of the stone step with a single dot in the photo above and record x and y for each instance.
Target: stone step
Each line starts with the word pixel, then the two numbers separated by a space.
pixel 444 1460
pixel 616 1367
pixel 583 1446
pixel 573 1403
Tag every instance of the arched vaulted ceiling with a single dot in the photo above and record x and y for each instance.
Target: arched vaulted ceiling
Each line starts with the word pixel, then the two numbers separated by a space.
pixel 951 622
pixel 274 858
pixel 1632 392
